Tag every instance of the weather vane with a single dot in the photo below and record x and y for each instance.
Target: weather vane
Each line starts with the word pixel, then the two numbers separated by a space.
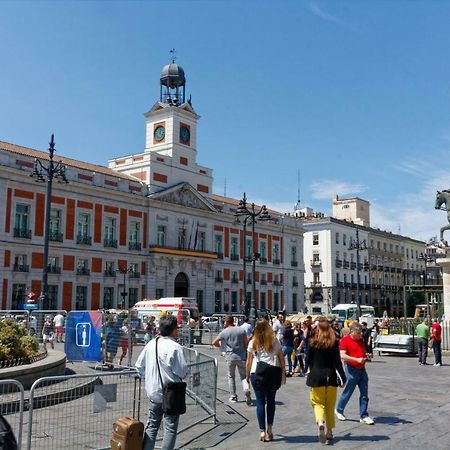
pixel 172 51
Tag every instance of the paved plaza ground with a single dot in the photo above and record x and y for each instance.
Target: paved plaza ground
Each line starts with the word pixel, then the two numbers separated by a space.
pixel 409 403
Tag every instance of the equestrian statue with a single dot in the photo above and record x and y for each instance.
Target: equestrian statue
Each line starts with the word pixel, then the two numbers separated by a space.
pixel 443 198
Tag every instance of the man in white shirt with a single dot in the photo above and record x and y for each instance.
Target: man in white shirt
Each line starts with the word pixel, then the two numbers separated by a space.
pixel 278 326
pixel 58 321
pixel 173 369
pixel 246 326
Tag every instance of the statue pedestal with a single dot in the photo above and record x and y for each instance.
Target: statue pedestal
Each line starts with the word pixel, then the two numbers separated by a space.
pixel 445 264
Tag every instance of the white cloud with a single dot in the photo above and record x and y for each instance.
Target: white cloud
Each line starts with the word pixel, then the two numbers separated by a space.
pixel 322 14
pixel 326 189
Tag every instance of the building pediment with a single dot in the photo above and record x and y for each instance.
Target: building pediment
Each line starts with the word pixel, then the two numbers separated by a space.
pixel 183 194
pixel 158 107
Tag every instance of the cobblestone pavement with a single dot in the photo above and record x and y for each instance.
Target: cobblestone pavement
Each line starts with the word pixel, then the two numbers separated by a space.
pixel 409 403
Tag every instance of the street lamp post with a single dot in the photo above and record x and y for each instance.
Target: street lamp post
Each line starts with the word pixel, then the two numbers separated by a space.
pixel 127 270
pixel 47 173
pixel 358 245
pixel 426 259
pixel 252 215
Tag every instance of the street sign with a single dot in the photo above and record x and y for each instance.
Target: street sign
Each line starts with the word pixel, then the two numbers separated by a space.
pixel 29 306
pixel 83 336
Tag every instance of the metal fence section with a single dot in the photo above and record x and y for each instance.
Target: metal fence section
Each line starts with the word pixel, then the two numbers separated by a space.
pixel 77 411
pixel 12 405
pixel 445 335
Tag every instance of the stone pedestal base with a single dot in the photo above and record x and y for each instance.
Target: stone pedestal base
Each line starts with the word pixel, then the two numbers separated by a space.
pixel 445 264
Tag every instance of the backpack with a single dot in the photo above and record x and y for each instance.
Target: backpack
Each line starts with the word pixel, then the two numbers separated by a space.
pixel 7 438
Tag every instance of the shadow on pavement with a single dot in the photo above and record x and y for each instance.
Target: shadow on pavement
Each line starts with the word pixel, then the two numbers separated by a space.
pixel 295 439
pixel 361 438
pixel 391 420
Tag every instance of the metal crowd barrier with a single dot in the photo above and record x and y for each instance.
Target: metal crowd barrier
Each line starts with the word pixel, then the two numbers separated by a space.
pixel 77 411
pixel 445 335
pixel 12 405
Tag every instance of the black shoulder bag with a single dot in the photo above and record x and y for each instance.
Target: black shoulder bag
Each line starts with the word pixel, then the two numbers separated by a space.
pixel 174 393
pixel 267 376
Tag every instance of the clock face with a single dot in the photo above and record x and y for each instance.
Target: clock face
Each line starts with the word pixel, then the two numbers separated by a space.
pixel 185 135
pixel 159 133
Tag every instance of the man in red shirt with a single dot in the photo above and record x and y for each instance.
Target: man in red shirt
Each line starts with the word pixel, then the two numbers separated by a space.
pixel 353 353
pixel 436 338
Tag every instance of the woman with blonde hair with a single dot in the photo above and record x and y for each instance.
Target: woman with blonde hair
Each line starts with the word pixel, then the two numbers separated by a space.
pixel 264 348
pixel 325 375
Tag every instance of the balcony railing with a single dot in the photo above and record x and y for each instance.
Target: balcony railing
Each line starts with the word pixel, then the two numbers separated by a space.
pixel 218 279
pixel 110 243
pixel 234 280
pixel 316 284
pixel 263 282
pixel 316 263
pixel 134 245
pixel 380 267
pixel 219 255
pixel 135 274
pixel 340 284
pixel 353 265
pixel 338 262
pixel 276 262
pixel 248 259
pixel 263 260
pixel 234 257
pixel 294 283
pixel 55 236
pixel 83 271
pixel 53 269
pixel 21 268
pixel 249 281
pixel 22 233
pixel 346 264
pixel 276 283
pixel 109 273
pixel 366 267
pixel 83 239
pixel 294 263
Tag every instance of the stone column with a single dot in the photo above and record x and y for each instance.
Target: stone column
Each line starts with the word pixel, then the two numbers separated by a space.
pixel 445 264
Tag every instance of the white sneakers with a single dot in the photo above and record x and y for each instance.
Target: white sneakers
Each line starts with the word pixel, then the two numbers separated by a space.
pixel 367 420
pixel 233 399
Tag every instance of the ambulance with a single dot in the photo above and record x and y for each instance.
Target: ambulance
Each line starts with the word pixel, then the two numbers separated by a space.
pixel 184 308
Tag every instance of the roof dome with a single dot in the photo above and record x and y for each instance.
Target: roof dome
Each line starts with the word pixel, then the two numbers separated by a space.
pixel 172 75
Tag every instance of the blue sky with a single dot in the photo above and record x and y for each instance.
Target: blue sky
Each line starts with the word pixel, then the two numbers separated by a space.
pixel 354 94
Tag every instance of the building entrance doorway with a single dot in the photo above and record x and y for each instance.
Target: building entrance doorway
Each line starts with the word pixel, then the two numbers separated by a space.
pixel 181 288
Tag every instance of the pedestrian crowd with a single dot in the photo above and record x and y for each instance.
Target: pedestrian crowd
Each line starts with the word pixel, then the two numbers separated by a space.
pixel 328 356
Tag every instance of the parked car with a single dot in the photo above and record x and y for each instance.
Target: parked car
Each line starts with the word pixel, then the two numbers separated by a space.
pixel 211 323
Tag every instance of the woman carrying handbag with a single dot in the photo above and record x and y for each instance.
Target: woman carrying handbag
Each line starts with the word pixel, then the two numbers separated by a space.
pixel 265 367
pixel 324 376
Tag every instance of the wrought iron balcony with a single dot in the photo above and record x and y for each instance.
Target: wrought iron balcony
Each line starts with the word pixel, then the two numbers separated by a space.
pixel 263 282
pixel 338 262
pixel 110 243
pixel 316 284
pixel 55 236
pixel 234 257
pixel 84 239
pixel 340 284
pixel 109 273
pixel 276 262
pixel 316 263
pixel 380 267
pixel 353 265
pixel 218 279
pixel 54 269
pixel 134 245
pixel 22 233
pixel 263 260
pixel 294 283
pixel 134 274
pixel 346 264
pixel 83 271
pixel 249 281
pixel 21 268
pixel 234 280
pixel 219 255
pixel 276 283
pixel 294 263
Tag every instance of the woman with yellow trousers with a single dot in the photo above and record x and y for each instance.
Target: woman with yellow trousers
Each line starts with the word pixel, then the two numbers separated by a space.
pixel 324 376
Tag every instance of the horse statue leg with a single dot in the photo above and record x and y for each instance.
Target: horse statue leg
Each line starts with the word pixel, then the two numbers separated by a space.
pixel 447 227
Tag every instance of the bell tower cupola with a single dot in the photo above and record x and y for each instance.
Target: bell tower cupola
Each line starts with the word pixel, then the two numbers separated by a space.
pixel 172 84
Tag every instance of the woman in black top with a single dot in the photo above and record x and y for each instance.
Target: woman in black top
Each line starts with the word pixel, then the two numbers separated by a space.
pixel 287 342
pixel 325 375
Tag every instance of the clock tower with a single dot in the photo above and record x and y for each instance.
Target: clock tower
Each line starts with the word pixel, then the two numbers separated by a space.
pixel 170 151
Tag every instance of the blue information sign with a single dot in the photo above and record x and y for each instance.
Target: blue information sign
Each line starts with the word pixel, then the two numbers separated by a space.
pixel 83 336
pixel 29 306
